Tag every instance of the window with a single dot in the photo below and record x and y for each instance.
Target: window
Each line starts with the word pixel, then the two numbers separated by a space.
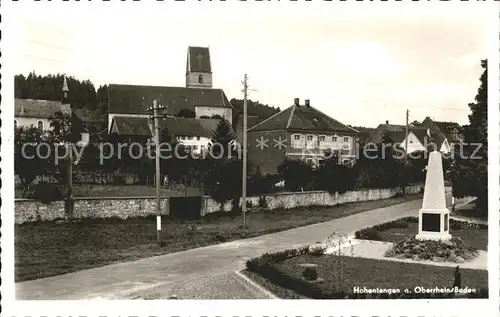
pixel 200 79
pixel 346 139
pixel 195 147
pixel 198 138
pixel 297 141
pixel 322 138
pixel 334 139
pixel 40 124
pixel 189 137
pixel 310 144
pixel 15 124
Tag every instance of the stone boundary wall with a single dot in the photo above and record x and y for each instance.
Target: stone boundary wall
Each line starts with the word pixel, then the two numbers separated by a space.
pixel 312 198
pixel 28 210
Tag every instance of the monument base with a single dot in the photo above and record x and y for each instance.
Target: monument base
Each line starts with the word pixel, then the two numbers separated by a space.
pixel 433 236
pixel 433 224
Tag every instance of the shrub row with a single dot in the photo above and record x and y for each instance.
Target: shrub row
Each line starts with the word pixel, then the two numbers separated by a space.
pixel 264 265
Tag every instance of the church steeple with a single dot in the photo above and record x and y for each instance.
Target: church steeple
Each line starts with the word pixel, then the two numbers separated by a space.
pixel 65 91
pixel 198 68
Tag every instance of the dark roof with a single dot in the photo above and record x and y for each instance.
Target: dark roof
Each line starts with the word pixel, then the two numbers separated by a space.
pixel 302 118
pixel 177 126
pixel 198 60
pixel 189 126
pixel 396 132
pixel 132 99
pixel 447 128
pixel 443 130
pixel 132 126
pixel 251 121
pixel 32 108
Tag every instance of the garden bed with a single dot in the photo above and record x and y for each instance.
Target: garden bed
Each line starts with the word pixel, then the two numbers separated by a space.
pixel 339 275
pixel 475 235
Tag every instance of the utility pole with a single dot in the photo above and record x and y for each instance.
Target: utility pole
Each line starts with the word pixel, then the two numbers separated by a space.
pixel 156 118
pixel 244 148
pixel 406 138
pixel 70 180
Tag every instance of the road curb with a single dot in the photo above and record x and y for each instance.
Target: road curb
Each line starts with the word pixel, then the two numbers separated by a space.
pixel 261 289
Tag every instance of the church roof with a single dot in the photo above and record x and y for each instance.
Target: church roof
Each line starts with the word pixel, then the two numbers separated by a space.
pixel 199 59
pixel 33 108
pixel 133 99
pixel 302 118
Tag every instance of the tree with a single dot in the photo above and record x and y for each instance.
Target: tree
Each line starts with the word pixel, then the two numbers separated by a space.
pixel 186 113
pixel 470 172
pixel 28 164
pixel 333 176
pixel 49 87
pixel 297 174
pixel 223 140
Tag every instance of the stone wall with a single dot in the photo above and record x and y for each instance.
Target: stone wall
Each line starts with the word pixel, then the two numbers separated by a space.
pixel 313 198
pixel 27 210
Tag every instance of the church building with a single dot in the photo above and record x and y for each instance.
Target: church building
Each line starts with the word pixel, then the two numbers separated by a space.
pixel 198 102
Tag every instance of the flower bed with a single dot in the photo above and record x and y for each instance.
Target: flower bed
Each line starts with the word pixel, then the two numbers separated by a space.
pixel 339 275
pixel 454 250
pixel 475 235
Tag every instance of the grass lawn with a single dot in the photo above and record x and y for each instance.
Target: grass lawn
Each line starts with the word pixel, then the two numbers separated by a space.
pixel 371 273
pixel 86 190
pixel 45 249
pixel 472 212
pixel 475 237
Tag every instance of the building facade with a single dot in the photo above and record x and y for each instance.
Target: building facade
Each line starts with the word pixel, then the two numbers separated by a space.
pixel 299 132
pixel 38 113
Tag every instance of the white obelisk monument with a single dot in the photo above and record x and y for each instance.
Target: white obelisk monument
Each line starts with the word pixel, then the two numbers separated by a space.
pixel 434 217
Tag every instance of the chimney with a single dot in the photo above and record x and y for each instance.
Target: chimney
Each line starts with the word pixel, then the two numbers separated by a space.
pixel 386 121
pixel 296 101
pixel 307 102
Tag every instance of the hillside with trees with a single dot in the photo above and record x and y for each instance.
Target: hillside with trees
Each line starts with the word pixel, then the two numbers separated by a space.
pixel 254 108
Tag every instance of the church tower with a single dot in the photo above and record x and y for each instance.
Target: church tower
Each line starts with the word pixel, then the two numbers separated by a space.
pixel 198 68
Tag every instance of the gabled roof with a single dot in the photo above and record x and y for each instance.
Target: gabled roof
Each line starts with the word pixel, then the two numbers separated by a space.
pixel 189 126
pixel 32 108
pixel 131 126
pixel 198 60
pixel 133 99
pixel 397 133
pixel 176 126
pixel 302 118
pixel 251 121
pixel 441 130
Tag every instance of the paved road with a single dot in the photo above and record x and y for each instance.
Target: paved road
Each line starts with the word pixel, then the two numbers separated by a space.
pixel 202 273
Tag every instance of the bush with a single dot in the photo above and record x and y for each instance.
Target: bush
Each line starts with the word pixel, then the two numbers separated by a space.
pixel 47 193
pixel 310 274
pixel 249 204
pixel 372 233
pixel 263 202
pixel 118 180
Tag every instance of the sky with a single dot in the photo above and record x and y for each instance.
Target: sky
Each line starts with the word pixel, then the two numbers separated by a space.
pixel 362 65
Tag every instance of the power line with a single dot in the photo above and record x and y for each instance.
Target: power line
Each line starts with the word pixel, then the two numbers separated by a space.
pixel 53 46
pixel 48 27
